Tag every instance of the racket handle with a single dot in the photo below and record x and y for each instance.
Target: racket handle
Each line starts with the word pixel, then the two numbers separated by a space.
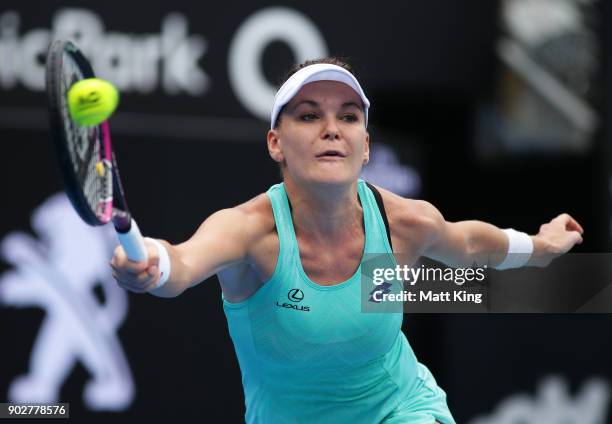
pixel 133 243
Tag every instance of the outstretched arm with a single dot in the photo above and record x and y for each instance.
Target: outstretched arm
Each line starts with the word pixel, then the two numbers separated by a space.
pixel 221 241
pixel 466 243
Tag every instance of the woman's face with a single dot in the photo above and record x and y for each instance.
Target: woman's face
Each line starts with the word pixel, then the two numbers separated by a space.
pixel 322 136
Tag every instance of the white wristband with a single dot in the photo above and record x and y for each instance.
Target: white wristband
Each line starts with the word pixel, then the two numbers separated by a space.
pixel 520 248
pixel 164 262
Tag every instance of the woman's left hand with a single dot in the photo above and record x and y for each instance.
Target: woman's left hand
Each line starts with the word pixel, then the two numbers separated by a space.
pixel 554 239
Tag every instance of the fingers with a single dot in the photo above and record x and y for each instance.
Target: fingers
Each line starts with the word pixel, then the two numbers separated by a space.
pixel 137 277
pixel 121 263
pixel 140 283
pixel 576 237
pixel 571 239
pixel 575 226
pixel 561 234
pixel 569 223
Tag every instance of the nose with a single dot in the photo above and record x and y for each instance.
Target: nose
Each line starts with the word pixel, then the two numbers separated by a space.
pixel 331 131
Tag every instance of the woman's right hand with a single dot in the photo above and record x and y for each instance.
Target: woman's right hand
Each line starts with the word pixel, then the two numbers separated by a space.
pixel 137 277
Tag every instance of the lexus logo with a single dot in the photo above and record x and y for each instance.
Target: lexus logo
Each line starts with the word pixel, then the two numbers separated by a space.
pixel 295 295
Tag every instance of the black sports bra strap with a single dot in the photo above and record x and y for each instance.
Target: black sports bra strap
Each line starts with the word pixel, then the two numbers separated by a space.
pixel 381 207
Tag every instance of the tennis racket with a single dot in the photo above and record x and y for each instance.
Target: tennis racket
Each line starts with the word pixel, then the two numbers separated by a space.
pixel 85 155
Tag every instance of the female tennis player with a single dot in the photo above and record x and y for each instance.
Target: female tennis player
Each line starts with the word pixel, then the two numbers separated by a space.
pixel 289 265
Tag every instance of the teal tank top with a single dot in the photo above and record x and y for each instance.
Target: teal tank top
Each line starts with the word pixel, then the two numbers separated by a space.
pixel 309 353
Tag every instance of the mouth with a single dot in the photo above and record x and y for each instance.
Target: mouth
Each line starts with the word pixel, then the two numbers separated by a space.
pixel 331 154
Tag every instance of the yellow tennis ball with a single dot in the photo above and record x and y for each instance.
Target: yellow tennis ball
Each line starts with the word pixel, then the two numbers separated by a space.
pixel 92 101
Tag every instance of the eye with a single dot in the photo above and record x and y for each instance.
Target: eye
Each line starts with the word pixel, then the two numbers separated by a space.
pixel 350 117
pixel 308 117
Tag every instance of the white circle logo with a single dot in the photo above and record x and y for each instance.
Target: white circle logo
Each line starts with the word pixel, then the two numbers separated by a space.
pixel 260 29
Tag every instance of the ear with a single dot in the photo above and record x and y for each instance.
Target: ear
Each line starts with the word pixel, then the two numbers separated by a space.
pixel 366 150
pixel 275 146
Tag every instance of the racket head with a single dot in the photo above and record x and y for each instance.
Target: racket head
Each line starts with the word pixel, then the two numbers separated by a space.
pixel 84 154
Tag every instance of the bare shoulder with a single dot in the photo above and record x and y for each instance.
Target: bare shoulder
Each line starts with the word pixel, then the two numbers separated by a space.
pixel 410 219
pixel 239 225
pixel 258 232
pixel 227 237
pixel 263 243
pixel 410 212
pixel 256 215
pixel 249 220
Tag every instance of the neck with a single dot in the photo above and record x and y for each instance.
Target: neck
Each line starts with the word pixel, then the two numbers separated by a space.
pixel 324 211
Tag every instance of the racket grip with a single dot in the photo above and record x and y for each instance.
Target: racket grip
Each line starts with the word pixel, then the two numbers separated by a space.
pixel 133 243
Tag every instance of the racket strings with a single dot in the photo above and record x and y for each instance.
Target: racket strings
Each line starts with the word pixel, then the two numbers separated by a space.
pixel 91 168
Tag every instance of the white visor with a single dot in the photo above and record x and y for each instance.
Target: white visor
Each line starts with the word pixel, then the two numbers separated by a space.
pixel 312 73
